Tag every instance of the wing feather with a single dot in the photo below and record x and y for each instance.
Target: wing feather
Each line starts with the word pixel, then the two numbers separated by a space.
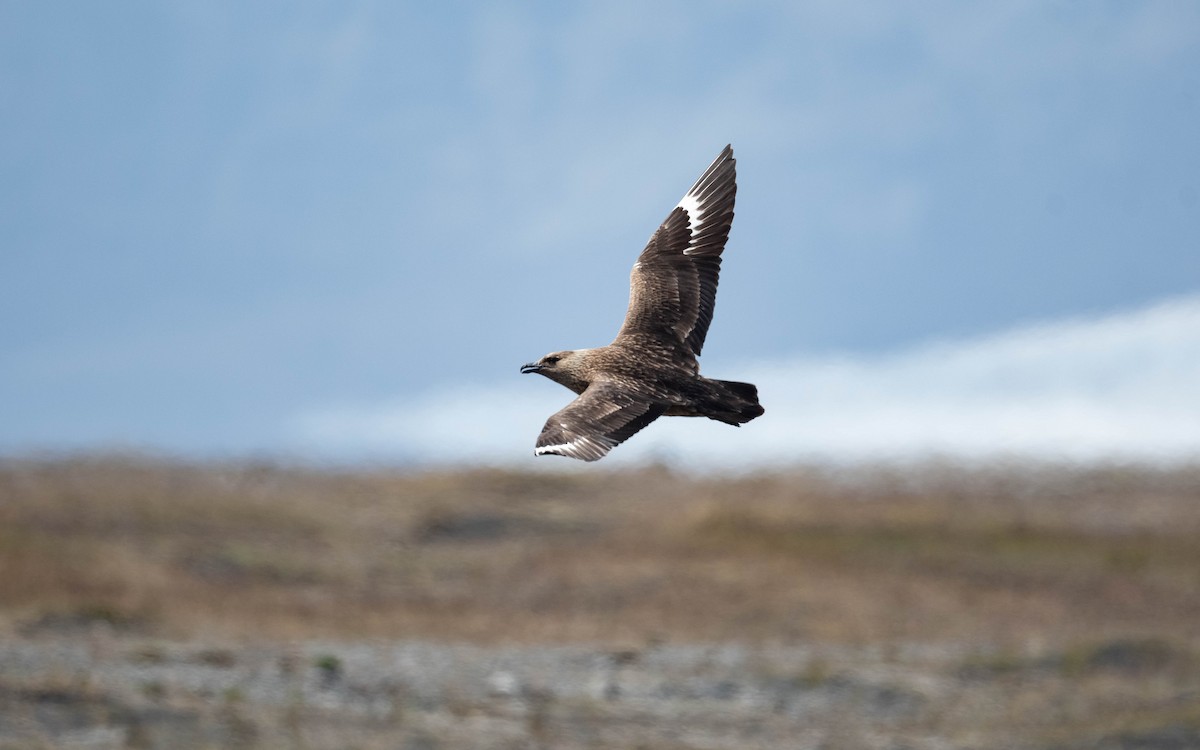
pixel 601 418
pixel 673 285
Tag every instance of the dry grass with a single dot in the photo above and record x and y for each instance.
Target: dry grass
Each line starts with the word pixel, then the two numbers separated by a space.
pixel 999 555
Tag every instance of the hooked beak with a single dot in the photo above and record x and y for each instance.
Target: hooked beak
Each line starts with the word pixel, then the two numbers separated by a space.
pixel 531 367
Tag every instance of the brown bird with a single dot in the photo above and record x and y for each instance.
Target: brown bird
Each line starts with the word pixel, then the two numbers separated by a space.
pixel 650 369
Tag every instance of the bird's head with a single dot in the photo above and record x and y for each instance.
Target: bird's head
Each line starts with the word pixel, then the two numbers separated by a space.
pixel 561 367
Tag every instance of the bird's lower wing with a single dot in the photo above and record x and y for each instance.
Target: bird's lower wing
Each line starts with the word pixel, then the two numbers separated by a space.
pixel 601 418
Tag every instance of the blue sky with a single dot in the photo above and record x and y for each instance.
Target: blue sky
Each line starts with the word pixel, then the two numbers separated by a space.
pixel 226 224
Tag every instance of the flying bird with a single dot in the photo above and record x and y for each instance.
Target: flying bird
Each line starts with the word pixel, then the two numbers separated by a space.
pixel 650 368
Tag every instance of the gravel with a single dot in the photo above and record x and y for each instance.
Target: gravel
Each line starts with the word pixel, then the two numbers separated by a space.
pixel 110 691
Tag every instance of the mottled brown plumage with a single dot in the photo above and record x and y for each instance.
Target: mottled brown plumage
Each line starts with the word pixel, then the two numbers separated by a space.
pixel 650 369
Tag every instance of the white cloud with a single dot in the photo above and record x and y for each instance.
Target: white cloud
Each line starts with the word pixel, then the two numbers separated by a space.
pixel 1124 386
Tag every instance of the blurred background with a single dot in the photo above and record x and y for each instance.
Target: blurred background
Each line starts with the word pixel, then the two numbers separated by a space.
pixel 335 230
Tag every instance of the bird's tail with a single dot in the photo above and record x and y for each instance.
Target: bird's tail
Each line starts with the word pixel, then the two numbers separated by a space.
pixel 740 402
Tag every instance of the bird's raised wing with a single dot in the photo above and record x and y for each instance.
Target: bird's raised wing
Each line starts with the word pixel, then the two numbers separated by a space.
pixel 601 418
pixel 673 285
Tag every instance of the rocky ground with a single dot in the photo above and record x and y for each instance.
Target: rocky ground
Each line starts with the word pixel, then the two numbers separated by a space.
pixel 107 691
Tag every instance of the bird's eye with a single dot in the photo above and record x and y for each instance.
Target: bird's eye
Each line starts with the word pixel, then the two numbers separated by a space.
pixel 551 360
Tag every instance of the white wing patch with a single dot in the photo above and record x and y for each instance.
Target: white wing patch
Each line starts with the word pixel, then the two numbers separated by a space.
pixel 586 448
pixel 696 216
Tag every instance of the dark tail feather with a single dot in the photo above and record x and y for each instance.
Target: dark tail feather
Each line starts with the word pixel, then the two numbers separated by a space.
pixel 744 391
pixel 743 405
